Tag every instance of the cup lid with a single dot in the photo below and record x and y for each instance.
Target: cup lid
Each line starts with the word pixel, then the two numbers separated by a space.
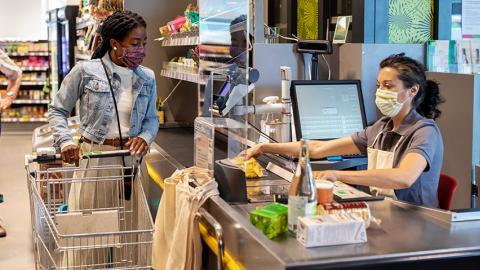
pixel 324 184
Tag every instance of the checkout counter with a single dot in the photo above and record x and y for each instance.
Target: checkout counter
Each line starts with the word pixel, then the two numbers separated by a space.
pixel 409 237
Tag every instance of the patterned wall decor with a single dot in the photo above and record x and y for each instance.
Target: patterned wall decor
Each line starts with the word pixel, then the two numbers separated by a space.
pixel 410 21
pixel 307 19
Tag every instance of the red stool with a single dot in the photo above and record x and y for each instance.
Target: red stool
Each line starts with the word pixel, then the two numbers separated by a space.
pixel 446 188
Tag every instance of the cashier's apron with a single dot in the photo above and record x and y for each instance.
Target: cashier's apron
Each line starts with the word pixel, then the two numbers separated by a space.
pixel 380 159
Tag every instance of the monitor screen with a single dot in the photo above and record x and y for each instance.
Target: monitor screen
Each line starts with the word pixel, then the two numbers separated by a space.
pixel 225 89
pixel 326 110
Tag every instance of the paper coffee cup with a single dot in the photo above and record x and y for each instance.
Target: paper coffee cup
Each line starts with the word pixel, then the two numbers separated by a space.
pixel 324 191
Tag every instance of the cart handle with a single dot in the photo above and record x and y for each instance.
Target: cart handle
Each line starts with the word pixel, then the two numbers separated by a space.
pixel 218 231
pixel 46 158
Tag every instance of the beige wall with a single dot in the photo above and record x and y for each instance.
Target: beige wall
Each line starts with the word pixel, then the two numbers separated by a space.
pixel 22 20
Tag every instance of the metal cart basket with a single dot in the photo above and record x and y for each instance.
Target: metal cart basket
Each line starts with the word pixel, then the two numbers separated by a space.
pixel 81 220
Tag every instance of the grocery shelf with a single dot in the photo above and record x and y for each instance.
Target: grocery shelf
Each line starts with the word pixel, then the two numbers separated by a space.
pixel 28 54
pixel 24 120
pixel 181 40
pixel 34 68
pixel 31 101
pixel 215 55
pixel 190 77
pixel 26 83
pixel 86 23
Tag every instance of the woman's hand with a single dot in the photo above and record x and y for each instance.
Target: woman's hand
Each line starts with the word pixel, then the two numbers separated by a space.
pixel 71 154
pixel 326 175
pixel 137 146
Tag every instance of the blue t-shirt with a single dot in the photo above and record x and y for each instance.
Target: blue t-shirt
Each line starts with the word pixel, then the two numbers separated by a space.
pixel 418 135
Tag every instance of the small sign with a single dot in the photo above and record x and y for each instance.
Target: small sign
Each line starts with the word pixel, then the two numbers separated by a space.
pixel 341 29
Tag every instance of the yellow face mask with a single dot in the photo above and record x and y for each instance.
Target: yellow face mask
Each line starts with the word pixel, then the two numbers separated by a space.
pixel 387 102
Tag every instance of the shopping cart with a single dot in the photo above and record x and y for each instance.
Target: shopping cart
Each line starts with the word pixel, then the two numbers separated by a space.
pixel 82 220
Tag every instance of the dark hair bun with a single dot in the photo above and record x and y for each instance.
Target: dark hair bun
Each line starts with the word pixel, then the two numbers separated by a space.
pixel 431 100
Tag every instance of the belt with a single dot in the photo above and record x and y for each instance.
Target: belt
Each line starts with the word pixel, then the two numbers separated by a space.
pixel 110 142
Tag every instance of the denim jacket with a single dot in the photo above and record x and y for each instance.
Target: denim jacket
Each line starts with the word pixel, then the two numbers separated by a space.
pixel 87 81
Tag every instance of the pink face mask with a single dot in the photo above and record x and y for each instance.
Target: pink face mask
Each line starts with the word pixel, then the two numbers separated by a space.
pixel 133 56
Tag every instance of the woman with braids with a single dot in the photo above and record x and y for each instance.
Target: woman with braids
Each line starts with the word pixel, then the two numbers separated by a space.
pixel 120 53
pixel 404 148
pixel 117 110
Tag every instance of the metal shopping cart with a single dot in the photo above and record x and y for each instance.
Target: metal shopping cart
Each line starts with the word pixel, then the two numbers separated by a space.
pixel 80 218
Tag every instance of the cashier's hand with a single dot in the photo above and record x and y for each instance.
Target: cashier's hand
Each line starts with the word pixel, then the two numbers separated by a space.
pixel 326 175
pixel 252 152
pixel 71 154
pixel 137 146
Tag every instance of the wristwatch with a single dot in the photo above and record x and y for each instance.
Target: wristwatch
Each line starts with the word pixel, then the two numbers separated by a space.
pixel 10 94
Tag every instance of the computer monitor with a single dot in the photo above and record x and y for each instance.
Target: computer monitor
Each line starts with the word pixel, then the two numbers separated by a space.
pixel 326 110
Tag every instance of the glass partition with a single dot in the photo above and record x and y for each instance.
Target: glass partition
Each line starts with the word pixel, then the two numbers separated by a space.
pixel 224 57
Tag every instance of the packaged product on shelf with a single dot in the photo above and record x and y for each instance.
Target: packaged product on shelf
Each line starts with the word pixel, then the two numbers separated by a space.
pixel 186 23
pixel 193 16
pixel 176 24
pixel 331 229
pixel 164 30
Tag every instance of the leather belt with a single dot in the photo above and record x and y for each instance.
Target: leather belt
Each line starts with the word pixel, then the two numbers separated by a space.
pixel 110 142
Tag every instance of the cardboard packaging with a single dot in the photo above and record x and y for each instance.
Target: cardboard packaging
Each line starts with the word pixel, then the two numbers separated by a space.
pixel 331 229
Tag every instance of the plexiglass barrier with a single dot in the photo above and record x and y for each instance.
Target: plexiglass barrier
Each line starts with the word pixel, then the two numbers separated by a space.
pixel 224 58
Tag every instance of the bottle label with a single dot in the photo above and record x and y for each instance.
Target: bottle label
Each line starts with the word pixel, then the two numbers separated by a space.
pixel 298 206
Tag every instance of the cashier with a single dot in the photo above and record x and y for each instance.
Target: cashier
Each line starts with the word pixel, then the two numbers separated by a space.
pixel 404 148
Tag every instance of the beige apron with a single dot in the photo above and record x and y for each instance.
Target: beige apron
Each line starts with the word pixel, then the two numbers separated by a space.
pixel 379 159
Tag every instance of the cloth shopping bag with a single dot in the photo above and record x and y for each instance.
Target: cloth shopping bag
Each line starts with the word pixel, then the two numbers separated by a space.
pixel 176 240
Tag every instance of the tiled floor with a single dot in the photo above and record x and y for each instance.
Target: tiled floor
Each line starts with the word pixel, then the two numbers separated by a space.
pixel 16 249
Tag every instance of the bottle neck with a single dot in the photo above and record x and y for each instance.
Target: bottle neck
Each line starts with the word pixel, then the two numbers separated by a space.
pixel 304 154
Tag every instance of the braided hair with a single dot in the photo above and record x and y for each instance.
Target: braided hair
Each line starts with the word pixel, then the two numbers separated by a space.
pixel 117 26
pixel 411 73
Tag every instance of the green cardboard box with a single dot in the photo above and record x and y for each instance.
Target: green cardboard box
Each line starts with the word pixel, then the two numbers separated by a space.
pixel 271 219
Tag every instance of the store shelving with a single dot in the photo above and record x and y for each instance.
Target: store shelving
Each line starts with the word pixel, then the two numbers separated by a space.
pixel 184 76
pixel 85 23
pixel 86 38
pixel 31 101
pixel 28 54
pixel 181 39
pixel 31 104
pixel 26 83
pixel 23 120
pixel 34 68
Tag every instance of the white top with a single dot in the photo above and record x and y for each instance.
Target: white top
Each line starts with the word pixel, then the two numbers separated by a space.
pixel 124 103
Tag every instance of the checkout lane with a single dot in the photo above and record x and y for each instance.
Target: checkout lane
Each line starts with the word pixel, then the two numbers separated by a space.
pixel 407 237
